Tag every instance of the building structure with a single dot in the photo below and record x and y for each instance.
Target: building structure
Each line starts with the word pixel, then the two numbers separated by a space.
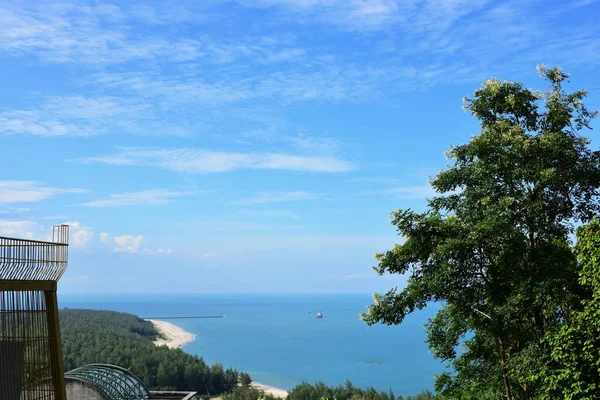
pixel 110 382
pixel 31 366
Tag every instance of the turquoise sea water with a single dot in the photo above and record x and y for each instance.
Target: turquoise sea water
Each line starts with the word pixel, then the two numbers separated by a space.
pixel 279 343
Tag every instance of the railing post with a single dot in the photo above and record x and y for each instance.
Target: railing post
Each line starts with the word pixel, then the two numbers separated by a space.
pixel 56 359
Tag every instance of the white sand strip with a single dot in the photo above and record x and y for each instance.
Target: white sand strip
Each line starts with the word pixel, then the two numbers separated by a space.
pixel 269 389
pixel 176 336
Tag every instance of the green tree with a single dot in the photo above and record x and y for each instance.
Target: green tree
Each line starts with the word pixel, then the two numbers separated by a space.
pixel 493 246
pixel 245 379
pixel 574 372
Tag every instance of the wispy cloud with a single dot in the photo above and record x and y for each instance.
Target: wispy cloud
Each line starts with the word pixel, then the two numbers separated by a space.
pixel 412 192
pixel 29 191
pixel 88 116
pixel 276 197
pixel 107 35
pixel 145 197
pixel 201 161
pixel 78 33
pixel 347 14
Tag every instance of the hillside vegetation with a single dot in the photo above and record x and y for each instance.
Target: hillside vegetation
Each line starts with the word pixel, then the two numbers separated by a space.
pixel 108 337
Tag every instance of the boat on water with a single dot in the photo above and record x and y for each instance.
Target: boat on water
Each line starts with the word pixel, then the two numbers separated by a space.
pixel 319 315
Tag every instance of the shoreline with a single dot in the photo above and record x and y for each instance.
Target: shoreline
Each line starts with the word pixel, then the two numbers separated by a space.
pixel 177 337
pixel 277 392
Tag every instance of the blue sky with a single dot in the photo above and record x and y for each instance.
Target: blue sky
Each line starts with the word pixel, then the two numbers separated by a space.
pixel 250 145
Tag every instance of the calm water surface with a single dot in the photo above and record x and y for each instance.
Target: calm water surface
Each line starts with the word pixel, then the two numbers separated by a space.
pixel 278 340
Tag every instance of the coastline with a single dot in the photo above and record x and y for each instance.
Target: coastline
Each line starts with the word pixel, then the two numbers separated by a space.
pixel 177 337
pixel 277 392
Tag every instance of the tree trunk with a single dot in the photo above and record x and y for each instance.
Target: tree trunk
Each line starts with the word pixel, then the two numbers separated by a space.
pixel 508 393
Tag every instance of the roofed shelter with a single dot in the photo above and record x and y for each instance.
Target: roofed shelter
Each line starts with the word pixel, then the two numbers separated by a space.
pixel 110 382
pixel 31 365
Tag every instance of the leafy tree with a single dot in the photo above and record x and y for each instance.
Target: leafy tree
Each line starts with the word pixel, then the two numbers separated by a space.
pixel 245 393
pixel 493 246
pixel 320 391
pixel 574 372
pixel 245 379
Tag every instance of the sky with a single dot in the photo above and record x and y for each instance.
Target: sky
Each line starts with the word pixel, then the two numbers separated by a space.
pixel 251 146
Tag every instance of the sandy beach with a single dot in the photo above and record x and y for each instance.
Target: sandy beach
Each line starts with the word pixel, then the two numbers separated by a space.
pixel 176 336
pixel 269 389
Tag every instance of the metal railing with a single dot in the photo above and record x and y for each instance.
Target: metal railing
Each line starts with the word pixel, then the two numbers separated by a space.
pixel 30 350
pixel 24 259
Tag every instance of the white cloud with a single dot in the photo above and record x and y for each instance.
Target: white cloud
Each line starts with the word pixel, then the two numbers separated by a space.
pixel 277 197
pixel 412 192
pixel 128 243
pixel 29 191
pixel 24 230
pixel 348 14
pixel 62 33
pixel 200 161
pixel 53 217
pixel 105 238
pixel 80 235
pixel 158 251
pixel 145 197
pixel 14 210
pixel 109 35
pixel 88 116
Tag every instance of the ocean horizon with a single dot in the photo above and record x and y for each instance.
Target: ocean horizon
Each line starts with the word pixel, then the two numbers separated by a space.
pixel 279 342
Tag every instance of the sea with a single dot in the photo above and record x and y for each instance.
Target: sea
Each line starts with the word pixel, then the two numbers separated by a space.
pixel 279 342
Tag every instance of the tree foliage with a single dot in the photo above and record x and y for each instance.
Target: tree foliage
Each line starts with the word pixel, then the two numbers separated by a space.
pixel 108 337
pixel 494 245
pixel 245 379
pixel 320 391
pixel 246 393
pixel 574 371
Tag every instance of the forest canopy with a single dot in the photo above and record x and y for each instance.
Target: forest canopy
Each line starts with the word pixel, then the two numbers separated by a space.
pixel 109 337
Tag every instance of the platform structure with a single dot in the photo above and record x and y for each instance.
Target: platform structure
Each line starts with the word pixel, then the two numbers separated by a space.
pixel 31 366
pixel 110 382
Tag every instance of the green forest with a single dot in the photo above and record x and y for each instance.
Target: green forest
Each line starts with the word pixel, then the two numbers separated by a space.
pixel 108 337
